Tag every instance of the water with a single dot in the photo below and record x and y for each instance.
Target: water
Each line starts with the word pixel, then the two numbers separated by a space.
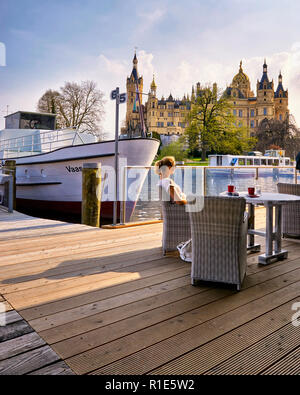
pixel 191 180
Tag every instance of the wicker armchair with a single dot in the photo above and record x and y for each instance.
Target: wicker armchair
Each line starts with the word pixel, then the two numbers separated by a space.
pixel 290 212
pixel 176 224
pixel 219 241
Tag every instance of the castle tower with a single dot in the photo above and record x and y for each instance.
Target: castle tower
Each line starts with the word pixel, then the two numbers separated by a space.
pixel 151 106
pixel 132 115
pixel 241 84
pixel 281 101
pixel 265 96
pixel 153 87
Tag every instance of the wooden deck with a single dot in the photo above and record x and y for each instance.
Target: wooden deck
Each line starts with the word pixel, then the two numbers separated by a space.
pixel 102 301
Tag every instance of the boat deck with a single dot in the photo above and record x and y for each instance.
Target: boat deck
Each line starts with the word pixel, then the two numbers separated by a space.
pixel 105 301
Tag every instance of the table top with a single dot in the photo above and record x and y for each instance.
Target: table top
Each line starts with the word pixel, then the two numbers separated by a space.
pixel 269 198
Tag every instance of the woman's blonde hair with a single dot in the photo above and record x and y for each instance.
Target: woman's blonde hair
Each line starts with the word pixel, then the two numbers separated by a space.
pixel 167 161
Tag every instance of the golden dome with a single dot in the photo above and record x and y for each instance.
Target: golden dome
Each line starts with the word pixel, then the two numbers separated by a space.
pixel 153 84
pixel 241 77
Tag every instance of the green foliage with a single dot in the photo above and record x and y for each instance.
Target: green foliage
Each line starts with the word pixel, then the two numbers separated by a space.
pixel 175 149
pixel 212 126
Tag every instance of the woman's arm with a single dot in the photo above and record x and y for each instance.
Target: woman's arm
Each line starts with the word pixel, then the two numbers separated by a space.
pixel 175 197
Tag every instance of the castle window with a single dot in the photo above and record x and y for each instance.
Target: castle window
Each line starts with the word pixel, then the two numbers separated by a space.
pixel 170 114
pixel 153 105
pixel 280 117
pixel 280 101
pixel 234 112
pixel 252 113
pixel 160 124
pixel 252 124
pixel 161 114
pixel 265 93
pixel 265 86
pixel 234 94
pixel 240 113
pixel 170 124
pixel 265 111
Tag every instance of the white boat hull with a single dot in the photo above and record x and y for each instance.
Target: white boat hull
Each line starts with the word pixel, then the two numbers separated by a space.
pixel 53 181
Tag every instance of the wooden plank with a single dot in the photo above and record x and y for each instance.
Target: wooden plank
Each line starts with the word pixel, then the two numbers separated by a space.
pixel 87 259
pixel 134 299
pixel 132 224
pixel 28 362
pixel 56 369
pixel 147 349
pixel 53 292
pixel 14 330
pixel 29 229
pixel 262 354
pixel 206 357
pixel 109 333
pixel 176 279
pixel 136 308
pixel 96 337
pixel 39 250
pixel 19 345
pixel 33 243
pixel 93 296
pixel 289 365
pixel 59 275
pixel 71 250
pixel 9 317
pixel 6 305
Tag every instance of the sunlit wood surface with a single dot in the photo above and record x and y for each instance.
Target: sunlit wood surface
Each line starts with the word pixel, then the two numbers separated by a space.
pixel 103 301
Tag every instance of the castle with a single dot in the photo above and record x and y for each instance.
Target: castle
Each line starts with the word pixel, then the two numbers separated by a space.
pixel 168 116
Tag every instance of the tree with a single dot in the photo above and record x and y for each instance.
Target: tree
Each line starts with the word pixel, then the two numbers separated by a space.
pixel 76 105
pixel 212 125
pixel 282 134
pixel 48 103
pixel 176 149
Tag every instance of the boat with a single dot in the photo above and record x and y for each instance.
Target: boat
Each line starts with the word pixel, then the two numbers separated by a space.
pixel 250 160
pixel 49 169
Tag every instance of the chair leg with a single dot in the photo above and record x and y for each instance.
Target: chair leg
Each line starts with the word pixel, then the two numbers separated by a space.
pixel 193 282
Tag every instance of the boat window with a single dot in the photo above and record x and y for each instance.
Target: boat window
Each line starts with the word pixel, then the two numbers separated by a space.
pixel 287 162
pixel 276 162
pixel 256 162
pixel 219 160
pixel 264 162
pixel 241 162
pixel 270 162
pixel 249 162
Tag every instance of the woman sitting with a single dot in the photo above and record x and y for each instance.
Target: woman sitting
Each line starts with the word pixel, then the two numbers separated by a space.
pixel 165 168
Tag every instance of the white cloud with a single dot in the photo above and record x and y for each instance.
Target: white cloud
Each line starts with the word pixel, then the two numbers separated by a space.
pixel 149 19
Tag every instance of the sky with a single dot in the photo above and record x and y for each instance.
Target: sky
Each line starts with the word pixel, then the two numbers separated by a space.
pixel 44 43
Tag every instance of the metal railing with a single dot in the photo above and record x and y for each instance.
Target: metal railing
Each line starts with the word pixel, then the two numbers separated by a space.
pixel 210 174
pixel 42 142
pixel 7 197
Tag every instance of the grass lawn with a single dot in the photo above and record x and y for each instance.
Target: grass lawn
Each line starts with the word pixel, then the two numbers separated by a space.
pixel 196 162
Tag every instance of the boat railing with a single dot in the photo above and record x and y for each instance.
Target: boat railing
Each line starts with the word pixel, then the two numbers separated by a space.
pixel 6 190
pixel 40 143
pixel 188 178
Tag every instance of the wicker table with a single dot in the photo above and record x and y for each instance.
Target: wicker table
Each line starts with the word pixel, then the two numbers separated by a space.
pixel 269 200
